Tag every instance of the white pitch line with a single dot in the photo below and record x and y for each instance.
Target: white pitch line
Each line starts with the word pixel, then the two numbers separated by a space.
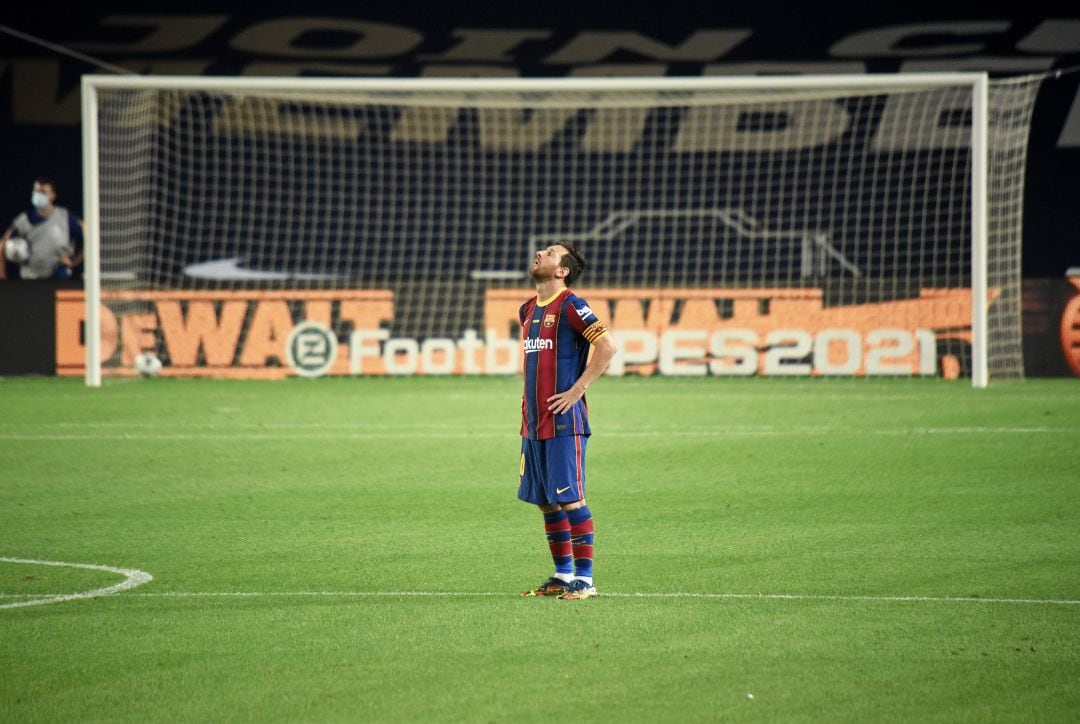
pixel 842 597
pixel 672 594
pixel 132 578
pixel 284 434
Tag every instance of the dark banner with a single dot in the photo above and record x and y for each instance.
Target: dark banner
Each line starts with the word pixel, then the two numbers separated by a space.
pixel 44 54
pixel 1051 310
pixel 28 332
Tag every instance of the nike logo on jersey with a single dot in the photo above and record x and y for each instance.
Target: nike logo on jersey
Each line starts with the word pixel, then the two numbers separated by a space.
pixel 560 491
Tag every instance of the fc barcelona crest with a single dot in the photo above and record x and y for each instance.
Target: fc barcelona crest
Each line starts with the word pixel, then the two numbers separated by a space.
pixel 549 320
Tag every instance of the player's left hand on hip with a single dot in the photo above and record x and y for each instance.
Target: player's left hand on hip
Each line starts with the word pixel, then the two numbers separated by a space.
pixel 563 401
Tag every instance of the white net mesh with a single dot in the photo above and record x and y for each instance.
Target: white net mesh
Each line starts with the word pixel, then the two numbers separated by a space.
pixel 1011 105
pixel 776 231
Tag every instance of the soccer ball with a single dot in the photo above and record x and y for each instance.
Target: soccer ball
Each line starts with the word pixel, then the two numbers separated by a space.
pixel 17 250
pixel 147 364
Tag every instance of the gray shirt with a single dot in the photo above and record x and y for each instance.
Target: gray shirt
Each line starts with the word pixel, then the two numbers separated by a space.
pixel 49 240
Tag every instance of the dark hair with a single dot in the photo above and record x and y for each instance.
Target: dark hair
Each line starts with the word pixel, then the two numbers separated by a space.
pixel 572 261
pixel 46 181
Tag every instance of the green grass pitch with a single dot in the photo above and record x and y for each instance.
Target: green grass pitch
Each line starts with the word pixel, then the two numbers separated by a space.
pixel 767 550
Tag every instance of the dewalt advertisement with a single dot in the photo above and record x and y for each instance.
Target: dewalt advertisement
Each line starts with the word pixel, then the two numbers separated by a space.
pixel 263 334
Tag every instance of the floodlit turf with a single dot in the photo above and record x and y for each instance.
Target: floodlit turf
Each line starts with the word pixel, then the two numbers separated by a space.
pixel 916 545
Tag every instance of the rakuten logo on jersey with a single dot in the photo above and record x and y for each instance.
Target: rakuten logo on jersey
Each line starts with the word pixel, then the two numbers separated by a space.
pixel 535 345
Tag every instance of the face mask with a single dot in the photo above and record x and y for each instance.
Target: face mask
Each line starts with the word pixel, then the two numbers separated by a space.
pixel 39 200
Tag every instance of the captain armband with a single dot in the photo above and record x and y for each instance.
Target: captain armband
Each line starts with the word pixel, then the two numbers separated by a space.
pixel 594 331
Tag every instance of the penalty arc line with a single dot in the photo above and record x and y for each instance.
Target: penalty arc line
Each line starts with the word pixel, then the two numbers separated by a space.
pixel 132 578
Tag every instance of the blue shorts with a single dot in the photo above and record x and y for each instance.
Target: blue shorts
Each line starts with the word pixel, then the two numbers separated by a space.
pixel 552 471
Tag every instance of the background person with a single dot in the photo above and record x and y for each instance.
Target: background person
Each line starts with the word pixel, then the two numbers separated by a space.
pixel 55 236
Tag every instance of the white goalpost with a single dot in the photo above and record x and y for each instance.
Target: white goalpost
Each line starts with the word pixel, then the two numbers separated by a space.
pixel 843 225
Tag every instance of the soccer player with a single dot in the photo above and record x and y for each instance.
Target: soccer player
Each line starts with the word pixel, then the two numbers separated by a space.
pixel 557 331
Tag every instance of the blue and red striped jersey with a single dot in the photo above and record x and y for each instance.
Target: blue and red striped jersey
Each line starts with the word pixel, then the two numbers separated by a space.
pixel 555 335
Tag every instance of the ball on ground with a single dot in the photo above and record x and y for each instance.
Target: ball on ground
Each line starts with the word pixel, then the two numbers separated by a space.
pixel 147 364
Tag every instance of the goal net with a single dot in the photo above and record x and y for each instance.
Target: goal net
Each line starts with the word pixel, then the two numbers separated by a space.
pixel 797 226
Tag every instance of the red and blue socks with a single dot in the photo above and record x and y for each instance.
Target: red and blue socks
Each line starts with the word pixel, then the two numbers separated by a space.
pixel 581 542
pixel 557 527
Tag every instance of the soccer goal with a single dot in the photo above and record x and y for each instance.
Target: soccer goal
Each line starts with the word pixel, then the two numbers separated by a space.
pixel 798 226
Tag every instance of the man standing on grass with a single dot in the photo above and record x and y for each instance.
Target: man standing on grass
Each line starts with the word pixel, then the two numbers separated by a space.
pixel 557 330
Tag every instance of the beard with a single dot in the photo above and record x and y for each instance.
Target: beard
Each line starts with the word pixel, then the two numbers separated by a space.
pixel 537 274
